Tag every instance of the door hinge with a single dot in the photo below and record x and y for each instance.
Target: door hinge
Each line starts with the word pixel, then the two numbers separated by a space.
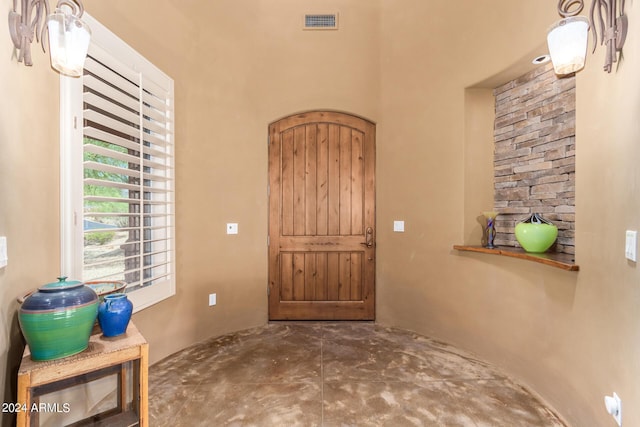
pixel 269 190
pixel 268 240
pixel 268 139
pixel 268 290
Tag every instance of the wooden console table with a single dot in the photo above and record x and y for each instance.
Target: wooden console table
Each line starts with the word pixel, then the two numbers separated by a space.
pixel 128 353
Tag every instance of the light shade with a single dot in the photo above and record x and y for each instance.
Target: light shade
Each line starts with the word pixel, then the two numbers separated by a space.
pixel 68 43
pixel 567 40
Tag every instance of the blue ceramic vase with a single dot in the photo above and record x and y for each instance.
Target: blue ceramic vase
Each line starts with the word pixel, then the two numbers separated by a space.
pixel 114 314
pixel 57 319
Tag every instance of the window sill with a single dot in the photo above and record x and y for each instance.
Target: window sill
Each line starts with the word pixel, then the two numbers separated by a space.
pixel 553 259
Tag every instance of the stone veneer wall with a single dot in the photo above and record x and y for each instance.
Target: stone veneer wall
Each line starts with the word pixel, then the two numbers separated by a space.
pixel 534 154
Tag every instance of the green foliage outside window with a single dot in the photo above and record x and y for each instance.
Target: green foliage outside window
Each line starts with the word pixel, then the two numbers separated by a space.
pixel 114 207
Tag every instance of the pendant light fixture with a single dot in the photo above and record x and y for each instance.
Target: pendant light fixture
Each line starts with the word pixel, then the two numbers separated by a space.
pixel 567 41
pixel 568 38
pixel 67 34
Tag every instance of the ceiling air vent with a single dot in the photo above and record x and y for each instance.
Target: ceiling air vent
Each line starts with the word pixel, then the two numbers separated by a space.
pixel 325 21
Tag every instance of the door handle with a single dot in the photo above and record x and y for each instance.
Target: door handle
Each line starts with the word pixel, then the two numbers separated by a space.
pixel 369 238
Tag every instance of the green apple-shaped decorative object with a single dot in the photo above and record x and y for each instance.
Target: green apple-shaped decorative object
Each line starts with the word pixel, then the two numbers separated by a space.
pixel 535 234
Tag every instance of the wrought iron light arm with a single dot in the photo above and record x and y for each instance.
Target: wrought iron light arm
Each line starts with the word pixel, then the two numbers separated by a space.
pixel 31 23
pixel 613 28
pixel 603 17
pixel 26 25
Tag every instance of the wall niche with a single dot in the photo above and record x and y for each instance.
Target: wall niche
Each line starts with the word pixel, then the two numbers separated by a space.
pixel 534 154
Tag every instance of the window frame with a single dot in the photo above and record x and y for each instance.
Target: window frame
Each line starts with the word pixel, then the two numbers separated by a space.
pixel 72 169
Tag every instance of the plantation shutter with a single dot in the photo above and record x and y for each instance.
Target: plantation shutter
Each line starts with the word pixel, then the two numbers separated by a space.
pixel 128 171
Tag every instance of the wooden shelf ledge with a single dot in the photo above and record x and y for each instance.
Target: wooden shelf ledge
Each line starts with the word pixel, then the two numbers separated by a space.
pixel 553 259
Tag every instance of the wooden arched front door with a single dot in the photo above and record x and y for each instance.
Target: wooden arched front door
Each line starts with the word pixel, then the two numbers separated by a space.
pixel 322 217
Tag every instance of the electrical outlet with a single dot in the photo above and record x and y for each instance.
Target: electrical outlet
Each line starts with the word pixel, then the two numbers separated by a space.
pixel 3 252
pixel 631 244
pixel 232 228
pixel 212 299
pixel 614 407
pixel 398 226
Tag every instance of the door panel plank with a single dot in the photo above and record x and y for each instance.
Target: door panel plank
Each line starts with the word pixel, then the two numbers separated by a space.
pixel 357 183
pixel 320 243
pixel 345 277
pixel 356 277
pixel 310 276
pixel 298 276
pixel 322 181
pixel 286 276
pixel 333 276
pixel 299 185
pixel 334 180
pixel 311 153
pixel 345 181
pixel 321 277
pixel 287 183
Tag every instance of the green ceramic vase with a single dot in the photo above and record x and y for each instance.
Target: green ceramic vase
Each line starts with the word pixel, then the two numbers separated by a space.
pixel 57 319
pixel 536 236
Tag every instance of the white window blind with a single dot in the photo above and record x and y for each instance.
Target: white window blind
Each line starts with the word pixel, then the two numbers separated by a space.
pixel 127 160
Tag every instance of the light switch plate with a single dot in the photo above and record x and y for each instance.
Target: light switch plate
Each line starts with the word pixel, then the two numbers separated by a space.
pixel 232 228
pixel 631 244
pixel 4 259
pixel 398 226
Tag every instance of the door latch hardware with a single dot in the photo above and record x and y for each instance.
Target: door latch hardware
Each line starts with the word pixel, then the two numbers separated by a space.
pixel 369 238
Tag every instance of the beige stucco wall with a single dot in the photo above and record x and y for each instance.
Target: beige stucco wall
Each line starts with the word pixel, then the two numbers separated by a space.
pixel 238 66
pixel 412 66
pixel 28 192
pixel 571 337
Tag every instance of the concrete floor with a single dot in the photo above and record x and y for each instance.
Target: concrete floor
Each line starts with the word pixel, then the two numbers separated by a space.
pixel 335 374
